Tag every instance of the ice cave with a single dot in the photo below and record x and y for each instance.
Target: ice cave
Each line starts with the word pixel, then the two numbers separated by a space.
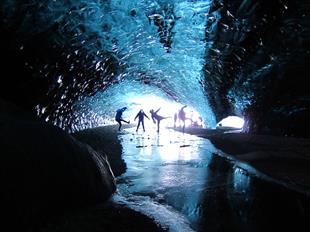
pixel 236 159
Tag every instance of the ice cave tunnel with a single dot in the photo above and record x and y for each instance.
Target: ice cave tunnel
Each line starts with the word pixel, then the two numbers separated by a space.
pixel 66 66
pixel 76 61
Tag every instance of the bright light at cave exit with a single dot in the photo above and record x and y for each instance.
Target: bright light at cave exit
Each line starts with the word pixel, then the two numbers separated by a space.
pixel 232 121
pixel 167 109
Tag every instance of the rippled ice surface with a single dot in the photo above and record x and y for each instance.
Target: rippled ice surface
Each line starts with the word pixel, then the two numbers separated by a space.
pixel 166 176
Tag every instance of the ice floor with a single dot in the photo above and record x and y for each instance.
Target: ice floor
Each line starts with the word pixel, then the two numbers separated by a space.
pixel 178 180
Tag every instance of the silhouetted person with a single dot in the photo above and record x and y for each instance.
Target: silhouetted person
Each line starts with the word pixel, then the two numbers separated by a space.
pixel 157 117
pixel 118 117
pixel 175 119
pixel 182 116
pixel 200 121
pixel 141 116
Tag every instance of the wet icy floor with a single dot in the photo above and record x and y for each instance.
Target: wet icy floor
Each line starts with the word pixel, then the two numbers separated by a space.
pixel 178 180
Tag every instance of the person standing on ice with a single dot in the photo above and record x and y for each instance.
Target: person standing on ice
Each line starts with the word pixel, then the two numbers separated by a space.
pixel 182 116
pixel 119 118
pixel 141 116
pixel 175 120
pixel 157 117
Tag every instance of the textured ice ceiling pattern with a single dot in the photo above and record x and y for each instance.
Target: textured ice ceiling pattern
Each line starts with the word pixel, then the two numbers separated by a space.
pixel 83 59
pixel 155 45
pixel 166 58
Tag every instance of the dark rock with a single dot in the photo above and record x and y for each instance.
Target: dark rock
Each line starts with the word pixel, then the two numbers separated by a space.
pixel 261 65
pixel 108 217
pixel 105 141
pixel 44 171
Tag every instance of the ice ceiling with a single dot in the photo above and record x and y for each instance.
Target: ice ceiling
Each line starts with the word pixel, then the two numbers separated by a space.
pixel 76 61
pixel 161 46
pixel 157 48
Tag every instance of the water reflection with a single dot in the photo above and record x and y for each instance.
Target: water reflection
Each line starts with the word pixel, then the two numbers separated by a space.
pixel 179 175
pixel 168 168
pixel 241 181
pixel 166 146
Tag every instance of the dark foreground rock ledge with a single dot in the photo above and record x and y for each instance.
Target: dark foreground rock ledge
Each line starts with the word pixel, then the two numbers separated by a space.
pixel 50 181
pixel 44 170
pixel 105 141
pixel 109 217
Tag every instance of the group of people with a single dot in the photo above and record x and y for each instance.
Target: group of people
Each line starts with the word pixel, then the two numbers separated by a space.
pixel 154 116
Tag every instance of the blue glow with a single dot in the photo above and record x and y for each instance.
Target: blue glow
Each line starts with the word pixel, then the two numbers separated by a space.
pixel 149 70
pixel 130 94
pixel 162 58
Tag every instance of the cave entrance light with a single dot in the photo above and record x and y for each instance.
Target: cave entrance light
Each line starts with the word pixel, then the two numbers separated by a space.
pixel 168 108
pixel 232 122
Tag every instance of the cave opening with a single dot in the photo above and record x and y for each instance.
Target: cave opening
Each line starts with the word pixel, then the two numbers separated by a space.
pixel 232 122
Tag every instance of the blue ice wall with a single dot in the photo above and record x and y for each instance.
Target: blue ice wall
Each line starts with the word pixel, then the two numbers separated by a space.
pixel 74 55
pixel 159 47
pixel 151 66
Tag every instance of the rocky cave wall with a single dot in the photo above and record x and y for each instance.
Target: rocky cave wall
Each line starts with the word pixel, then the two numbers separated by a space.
pixel 257 64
